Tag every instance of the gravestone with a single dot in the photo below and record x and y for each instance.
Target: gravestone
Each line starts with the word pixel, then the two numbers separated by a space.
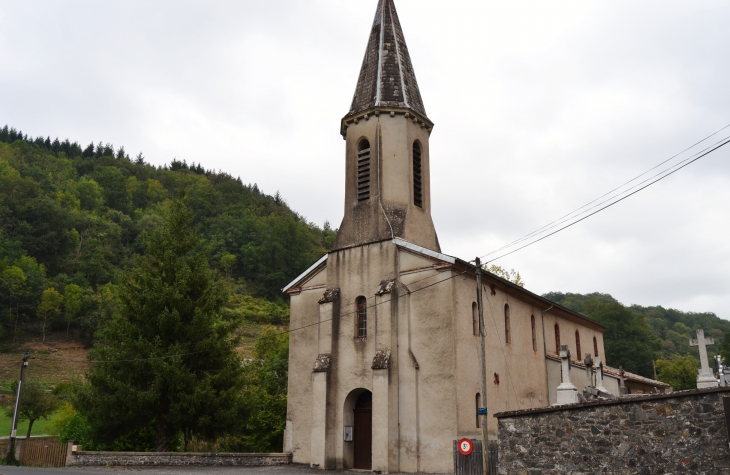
pixel 567 392
pixel 705 378
pixel 599 375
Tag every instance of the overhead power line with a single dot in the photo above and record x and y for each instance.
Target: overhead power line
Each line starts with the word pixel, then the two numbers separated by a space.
pixel 563 218
pixel 661 175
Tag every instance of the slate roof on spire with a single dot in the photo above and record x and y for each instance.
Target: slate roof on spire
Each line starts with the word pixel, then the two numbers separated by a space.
pixel 387 78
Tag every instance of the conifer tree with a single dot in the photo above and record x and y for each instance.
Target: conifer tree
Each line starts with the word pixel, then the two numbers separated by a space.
pixel 173 359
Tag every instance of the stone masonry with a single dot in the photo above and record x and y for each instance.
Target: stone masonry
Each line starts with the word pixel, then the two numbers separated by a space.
pixel 681 432
pixel 174 459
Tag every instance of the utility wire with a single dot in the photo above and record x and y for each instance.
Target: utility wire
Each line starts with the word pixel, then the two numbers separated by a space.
pixel 702 154
pixel 558 222
pixel 572 213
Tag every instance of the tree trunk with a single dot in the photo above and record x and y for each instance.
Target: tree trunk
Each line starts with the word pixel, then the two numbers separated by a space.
pixel 162 434
pixel 44 329
pixel 30 428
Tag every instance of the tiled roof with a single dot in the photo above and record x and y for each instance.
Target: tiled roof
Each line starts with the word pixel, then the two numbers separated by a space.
pixel 387 78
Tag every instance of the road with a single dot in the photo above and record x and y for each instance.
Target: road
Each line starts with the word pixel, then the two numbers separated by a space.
pixel 282 470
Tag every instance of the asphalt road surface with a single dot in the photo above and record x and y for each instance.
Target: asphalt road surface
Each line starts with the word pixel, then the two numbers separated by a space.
pixel 281 470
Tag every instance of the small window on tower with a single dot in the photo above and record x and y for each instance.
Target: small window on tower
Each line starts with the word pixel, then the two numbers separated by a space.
pixel 577 344
pixel 417 176
pixel 361 305
pixel 557 339
pixel 595 346
pixel 363 170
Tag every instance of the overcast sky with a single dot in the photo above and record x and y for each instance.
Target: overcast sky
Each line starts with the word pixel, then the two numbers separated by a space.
pixel 540 106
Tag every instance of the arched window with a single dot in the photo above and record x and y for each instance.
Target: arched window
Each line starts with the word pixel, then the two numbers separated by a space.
pixel 362 317
pixel 534 335
pixel 595 347
pixel 479 404
pixel 475 319
pixel 557 339
pixel 507 336
pixel 577 345
pixel 363 170
pixel 417 176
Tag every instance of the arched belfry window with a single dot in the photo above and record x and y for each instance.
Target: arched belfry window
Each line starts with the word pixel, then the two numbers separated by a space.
pixel 475 319
pixel 361 305
pixel 595 347
pixel 363 170
pixel 417 176
pixel 577 345
pixel 507 332
pixel 557 339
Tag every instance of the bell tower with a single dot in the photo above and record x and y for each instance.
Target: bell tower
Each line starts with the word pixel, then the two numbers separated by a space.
pixel 388 186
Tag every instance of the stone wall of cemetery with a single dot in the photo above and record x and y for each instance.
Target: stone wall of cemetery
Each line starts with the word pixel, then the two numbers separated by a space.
pixel 681 432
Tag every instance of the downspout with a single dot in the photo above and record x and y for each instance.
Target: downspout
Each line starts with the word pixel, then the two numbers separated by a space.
pixel 544 350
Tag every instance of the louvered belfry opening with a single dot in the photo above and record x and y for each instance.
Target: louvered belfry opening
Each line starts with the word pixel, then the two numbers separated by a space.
pixel 417 176
pixel 363 171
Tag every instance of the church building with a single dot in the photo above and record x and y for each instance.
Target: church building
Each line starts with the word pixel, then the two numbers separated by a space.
pixel 384 370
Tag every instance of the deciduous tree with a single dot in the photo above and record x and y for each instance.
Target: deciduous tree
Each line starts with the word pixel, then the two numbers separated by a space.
pixel 680 372
pixel 50 306
pixel 35 403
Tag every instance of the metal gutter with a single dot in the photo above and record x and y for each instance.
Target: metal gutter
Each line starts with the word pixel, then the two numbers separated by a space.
pixel 304 274
pixel 422 250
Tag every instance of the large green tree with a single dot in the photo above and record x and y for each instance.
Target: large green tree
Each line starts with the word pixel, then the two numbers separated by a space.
pixel 35 403
pixel 167 358
pixel 266 377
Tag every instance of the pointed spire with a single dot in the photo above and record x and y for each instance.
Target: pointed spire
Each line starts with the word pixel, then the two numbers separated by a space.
pixel 387 78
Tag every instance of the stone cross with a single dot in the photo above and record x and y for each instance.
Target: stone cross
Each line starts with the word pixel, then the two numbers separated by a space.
pixel 567 392
pixel 705 378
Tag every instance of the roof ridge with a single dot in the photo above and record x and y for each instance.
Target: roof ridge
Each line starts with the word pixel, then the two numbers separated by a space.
pixel 386 77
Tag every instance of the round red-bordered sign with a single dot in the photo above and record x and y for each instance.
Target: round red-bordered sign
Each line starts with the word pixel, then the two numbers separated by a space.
pixel 465 446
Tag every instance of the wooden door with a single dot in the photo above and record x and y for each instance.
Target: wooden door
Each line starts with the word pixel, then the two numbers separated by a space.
pixel 362 436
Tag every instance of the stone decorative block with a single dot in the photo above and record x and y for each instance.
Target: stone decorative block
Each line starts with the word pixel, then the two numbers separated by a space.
pixel 322 364
pixel 381 360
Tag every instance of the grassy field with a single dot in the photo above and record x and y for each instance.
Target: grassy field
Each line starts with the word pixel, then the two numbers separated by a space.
pixel 22 427
pixel 61 359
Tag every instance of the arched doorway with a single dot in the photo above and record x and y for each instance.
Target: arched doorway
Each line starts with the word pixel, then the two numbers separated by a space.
pixel 362 432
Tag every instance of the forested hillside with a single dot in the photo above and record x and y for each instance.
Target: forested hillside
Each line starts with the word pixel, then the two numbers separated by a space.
pixel 72 218
pixel 637 335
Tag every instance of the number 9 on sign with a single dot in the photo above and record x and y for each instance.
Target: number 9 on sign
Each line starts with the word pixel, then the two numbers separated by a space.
pixel 465 446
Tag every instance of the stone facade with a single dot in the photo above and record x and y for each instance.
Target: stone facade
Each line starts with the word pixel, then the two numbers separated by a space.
pixel 683 432
pixel 174 459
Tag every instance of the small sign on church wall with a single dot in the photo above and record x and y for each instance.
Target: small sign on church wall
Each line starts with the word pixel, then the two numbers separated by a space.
pixel 348 433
